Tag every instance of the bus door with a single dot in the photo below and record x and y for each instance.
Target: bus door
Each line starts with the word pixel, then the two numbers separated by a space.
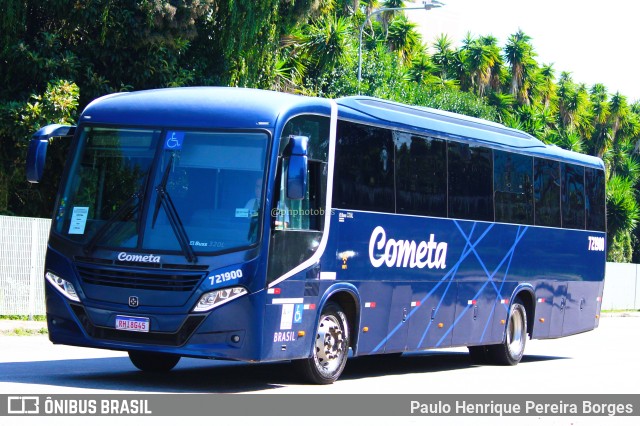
pixel 432 313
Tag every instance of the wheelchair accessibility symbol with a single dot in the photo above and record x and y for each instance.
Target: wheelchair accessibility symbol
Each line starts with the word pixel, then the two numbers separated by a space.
pixel 297 315
pixel 174 140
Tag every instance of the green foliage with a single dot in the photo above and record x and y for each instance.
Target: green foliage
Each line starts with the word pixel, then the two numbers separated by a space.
pixel 622 207
pixel 18 120
pixel 106 46
pixel 23 317
pixel 57 56
pixel 620 248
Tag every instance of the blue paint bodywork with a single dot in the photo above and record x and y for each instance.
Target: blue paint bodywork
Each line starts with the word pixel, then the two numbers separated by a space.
pixel 461 301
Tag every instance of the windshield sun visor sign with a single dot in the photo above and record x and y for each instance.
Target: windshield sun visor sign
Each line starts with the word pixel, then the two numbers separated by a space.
pixel 78 220
pixel 173 140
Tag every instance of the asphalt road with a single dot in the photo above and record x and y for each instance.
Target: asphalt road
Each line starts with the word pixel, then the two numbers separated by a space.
pixel 601 361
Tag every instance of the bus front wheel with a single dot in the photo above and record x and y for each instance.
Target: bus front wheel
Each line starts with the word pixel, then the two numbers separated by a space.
pixel 330 347
pixel 153 362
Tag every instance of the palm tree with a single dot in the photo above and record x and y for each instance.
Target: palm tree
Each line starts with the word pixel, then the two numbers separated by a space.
pixel 370 6
pixel 567 139
pixel 423 70
pixel 619 110
pixel 388 15
pixel 403 38
pixel 492 73
pixel 444 55
pixel 547 86
pixel 520 56
pixel 573 101
pixel 532 120
pixel 504 103
pixel 326 41
pixel 599 108
pixel 477 64
pixel 622 212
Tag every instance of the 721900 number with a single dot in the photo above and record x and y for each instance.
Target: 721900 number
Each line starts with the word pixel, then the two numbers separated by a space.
pixel 225 276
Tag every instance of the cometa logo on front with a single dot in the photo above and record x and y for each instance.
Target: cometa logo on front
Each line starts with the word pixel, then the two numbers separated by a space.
pixel 405 253
pixel 145 258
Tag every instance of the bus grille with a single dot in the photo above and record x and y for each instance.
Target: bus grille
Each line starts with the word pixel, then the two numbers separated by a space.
pixel 178 338
pixel 156 280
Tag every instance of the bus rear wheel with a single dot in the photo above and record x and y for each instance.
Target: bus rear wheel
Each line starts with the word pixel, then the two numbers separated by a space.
pixel 511 350
pixel 330 347
pixel 153 362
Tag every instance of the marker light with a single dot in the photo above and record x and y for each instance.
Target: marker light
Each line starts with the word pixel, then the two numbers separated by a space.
pixel 215 298
pixel 63 286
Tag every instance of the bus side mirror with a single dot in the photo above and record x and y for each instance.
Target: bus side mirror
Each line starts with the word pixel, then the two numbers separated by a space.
pixel 37 151
pixel 296 152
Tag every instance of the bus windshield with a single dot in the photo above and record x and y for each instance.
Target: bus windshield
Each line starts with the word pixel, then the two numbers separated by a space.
pixel 203 194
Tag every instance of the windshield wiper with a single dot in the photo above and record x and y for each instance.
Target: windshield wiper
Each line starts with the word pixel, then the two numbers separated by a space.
pixel 164 199
pixel 127 209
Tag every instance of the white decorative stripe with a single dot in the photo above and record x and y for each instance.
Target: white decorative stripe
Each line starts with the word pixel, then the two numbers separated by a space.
pixel 285 301
pixel 327 275
pixel 315 258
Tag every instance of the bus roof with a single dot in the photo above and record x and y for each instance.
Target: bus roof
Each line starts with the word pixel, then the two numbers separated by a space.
pixel 455 126
pixel 205 107
pixel 231 107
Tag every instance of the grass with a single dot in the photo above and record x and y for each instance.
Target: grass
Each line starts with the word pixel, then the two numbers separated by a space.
pixel 23 317
pixel 24 332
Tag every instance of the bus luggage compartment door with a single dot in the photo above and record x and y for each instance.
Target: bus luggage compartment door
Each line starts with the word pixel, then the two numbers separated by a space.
pixel 581 307
pixel 473 314
pixel 398 325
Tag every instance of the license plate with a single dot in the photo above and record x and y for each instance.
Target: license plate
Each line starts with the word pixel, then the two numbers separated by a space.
pixel 138 324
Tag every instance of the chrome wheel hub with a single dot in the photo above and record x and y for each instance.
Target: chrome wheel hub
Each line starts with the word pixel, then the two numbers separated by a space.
pixel 329 343
pixel 516 334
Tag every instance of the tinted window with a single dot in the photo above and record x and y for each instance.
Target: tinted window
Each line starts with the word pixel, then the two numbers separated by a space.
pixel 297 223
pixel 546 175
pixel 595 202
pixel 470 182
pixel 364 172
pixel 421 175
pixel 572 196
pixel 513 185
pixel 316 128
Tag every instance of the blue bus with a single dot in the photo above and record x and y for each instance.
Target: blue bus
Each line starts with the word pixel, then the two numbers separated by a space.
pixel 242 224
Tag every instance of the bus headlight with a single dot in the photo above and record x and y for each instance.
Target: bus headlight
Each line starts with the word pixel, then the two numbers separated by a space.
pixel 216 298
pixel 63 286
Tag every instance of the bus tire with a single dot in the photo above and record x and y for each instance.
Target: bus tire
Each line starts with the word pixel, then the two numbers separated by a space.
pixel 153 362
pixel 511 350
pixel 330 347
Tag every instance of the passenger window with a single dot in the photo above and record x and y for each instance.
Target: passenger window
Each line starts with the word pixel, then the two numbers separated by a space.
pixel 421 175
pixel 546 175
pixel 470 182
pixel 572 196
pixel 595 201
pixel 364 172
pixel 513 186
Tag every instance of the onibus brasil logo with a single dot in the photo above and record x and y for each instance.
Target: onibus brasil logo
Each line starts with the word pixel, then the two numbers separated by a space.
pixel 406 253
